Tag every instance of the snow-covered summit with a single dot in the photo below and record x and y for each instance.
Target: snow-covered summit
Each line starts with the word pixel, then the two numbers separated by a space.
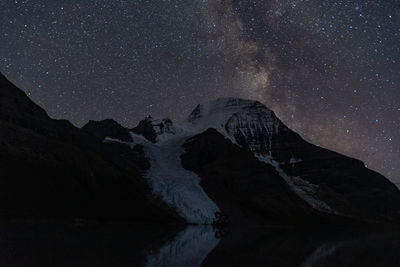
pixel 224 105
pixel 237 119
pixel 221 109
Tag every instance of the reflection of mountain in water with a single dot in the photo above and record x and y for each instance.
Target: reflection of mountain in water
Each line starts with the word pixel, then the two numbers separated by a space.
pixel 129 245
pixel 305 247
pixel 323 251
pixel 189 248
pixel 198 246
pixel 62 244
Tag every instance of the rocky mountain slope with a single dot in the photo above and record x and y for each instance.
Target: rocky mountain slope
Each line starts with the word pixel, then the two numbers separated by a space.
pixel 50 169
pixel 327 181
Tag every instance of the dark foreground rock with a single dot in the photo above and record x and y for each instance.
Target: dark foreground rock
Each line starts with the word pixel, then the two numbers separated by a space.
pixel 50 169
pixel 107 128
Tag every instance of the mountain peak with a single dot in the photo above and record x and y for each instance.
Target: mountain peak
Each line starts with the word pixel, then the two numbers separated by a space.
pixel 107 128
pixel 225 105
pixel 3 77
pixel 15 105
pixel 227 114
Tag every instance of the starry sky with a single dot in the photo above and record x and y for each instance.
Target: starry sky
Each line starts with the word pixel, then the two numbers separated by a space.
pixel 329 69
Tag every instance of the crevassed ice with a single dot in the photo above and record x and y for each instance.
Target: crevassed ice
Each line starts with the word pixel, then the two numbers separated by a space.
pixel 176 186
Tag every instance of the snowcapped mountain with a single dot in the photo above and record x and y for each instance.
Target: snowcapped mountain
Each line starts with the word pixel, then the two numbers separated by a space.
pixel 253 126
pixel 310 180
pixel 327 181
pixel 232 161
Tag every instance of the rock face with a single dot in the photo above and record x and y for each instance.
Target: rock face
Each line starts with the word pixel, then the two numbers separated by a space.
pixel 151 129
pixel 50 169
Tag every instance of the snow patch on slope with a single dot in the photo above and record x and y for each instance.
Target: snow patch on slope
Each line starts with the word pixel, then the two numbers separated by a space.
pixel 303 189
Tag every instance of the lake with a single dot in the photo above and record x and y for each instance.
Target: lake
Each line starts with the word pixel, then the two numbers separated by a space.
pixel 61 244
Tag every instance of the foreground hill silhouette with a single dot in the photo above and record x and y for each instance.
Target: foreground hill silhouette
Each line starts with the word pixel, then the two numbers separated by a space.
pixel 51 169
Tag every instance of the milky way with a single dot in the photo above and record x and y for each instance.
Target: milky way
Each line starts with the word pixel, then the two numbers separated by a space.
pixel 329 69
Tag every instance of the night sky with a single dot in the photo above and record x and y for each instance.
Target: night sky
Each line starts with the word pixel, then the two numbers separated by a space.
pixel 329 69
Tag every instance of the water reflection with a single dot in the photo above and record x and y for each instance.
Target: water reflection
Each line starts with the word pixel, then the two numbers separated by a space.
pixel 59 244
pixel 189 248
pixel 321 252
pixel 306 247
pixel 128 245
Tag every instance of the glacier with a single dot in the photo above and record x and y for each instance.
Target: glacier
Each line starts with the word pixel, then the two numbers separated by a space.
pixel 176 186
